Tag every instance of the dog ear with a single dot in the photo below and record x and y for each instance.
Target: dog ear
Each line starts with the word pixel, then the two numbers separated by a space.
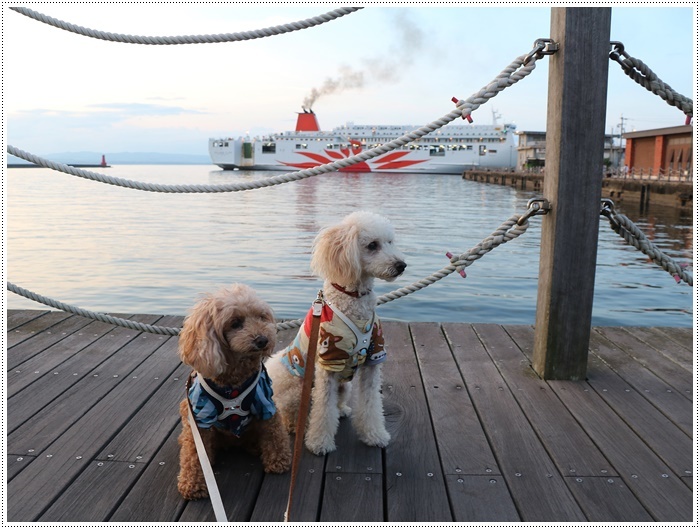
pixel 200 343
pixel 336 255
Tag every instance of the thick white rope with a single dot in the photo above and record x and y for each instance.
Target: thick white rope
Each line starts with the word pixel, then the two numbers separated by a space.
pixel 511 75
pixel 644 76
pixel 507 231
pixel 631 233
pixel 188 39
pixel 99 316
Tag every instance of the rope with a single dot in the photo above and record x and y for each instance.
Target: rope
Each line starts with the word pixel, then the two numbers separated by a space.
pixel 513 73
pixel 106 318
pixel 188 39
pixel 644 76
pixel 631 233
pixel 507 231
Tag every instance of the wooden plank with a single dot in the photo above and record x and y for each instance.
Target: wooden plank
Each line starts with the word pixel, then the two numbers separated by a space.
pixel 51 385
pixel 27 372
pixel 567 444
pixel 15 464
pixel 664 397
pixel 15 318
pixel 272 498
pixel 35 488
pixel 481 499
pixel 664 437
pixel 607 499
pixel 94 494
pixel 415 490
pixel 50 421
pixel 668 441
pixel 238 475
pixel 536 486
pixel 680 335
pixel 34 326
pixel 35 336
pixel 154 497
pixel 462 443
pixel 661 493
pixel 681 355
pixel 352 498
pixel 663 367
pixel 144 434
pixel 351 454
pixel 577 96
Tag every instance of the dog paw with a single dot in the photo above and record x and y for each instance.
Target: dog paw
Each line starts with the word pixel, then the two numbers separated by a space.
pixel 379 437
pixel 193 491
pixel 278 465
pixel 345 411
pixel 320 446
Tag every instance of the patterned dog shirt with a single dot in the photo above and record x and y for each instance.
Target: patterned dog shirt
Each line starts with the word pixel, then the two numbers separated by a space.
pixel 343 346
pixel 228 408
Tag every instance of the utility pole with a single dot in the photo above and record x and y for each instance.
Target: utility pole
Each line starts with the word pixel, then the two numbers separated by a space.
pixel 622 131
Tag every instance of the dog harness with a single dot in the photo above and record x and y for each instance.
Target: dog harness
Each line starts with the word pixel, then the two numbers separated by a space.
pixel 229 408
pixel 344 345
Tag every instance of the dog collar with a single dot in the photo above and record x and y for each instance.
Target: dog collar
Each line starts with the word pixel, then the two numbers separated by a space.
pixel 350 293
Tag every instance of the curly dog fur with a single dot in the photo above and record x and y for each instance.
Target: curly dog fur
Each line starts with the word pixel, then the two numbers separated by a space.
pixel 348 257
pixel 225 339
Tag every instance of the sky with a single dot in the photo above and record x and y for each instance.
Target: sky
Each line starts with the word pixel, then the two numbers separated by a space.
pixel 64 92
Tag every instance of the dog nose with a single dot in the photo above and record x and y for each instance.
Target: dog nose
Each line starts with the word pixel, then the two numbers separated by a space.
pixel 400 266
pixel 260 342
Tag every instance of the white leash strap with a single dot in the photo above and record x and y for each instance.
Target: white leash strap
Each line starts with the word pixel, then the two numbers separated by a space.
pixel 214 496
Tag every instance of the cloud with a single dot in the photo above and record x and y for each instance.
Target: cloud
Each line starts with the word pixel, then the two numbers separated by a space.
pixel 143 109
pixel 117 126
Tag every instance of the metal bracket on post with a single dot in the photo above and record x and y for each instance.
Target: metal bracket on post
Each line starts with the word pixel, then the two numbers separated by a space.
pixel 541 48
pixel 535 206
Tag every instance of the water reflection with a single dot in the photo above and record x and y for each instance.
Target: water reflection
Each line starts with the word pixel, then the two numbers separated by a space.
pixel 113 249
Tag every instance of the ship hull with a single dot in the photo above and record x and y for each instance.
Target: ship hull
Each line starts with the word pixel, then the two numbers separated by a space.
pixel 452 149
pixel 447 168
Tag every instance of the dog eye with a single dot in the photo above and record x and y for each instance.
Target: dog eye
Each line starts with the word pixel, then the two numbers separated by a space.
pixel 373 246
pixel 237 323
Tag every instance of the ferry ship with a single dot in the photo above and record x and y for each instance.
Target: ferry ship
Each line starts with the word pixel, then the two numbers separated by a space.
pixel 452 149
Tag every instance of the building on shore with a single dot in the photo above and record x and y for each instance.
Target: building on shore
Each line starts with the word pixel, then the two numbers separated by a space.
pixel 661 152
pixel 531 151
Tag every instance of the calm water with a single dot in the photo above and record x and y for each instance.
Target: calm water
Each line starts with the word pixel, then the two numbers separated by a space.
pixel 110 249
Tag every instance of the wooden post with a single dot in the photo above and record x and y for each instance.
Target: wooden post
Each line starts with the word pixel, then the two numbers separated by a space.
pixel 578 79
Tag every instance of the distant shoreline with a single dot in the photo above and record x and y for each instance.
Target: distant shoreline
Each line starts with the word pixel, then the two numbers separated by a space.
pixel 31 165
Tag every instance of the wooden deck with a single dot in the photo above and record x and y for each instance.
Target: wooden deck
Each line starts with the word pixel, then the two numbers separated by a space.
pixel 92 424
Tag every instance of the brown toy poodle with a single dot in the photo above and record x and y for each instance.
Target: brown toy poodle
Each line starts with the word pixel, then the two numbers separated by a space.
pixel 225 340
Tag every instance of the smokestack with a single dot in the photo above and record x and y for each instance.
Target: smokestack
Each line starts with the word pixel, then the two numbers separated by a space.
pixel 307 122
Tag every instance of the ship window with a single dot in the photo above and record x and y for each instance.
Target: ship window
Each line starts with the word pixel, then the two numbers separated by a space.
pixel 226 144
pixel 470 147
pixel 482 150
pixel 270 147
pixel 437 150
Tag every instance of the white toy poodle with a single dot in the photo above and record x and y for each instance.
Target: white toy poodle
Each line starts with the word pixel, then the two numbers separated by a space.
pixel 347 256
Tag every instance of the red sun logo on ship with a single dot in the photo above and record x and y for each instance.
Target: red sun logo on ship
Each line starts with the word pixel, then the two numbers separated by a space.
pixel 391 160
